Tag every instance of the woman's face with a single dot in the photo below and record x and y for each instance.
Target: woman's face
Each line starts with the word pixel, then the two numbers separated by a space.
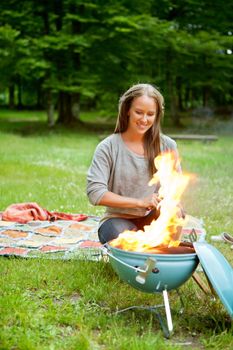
pixel 142 114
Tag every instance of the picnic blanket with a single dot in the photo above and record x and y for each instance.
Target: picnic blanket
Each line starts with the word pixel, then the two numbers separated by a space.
pixel 63 239
pixel 66 239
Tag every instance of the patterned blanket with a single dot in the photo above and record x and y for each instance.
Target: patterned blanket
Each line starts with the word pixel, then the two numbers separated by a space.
pixel 57 240
pixel 67 239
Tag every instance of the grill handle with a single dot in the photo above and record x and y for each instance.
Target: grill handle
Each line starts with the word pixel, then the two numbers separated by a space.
pixel 147 268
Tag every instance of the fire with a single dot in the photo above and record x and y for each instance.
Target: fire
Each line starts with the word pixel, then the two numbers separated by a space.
pixel 165 231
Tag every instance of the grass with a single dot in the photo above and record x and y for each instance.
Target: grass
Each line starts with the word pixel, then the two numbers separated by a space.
pixel 71 304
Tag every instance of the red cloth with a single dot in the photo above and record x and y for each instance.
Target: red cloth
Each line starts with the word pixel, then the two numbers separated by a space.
pixel 25 212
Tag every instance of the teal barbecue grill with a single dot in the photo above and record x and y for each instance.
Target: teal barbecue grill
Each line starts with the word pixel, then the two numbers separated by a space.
pixel 161 273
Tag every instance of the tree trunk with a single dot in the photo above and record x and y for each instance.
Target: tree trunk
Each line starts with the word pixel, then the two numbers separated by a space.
pixel 77 28
pixel 205 95
pixel 171 86
pixel 58 10
pixel 187 99
pixel 12 96
pixel 39 103
pixel 50 109
pixel 75 108
pixel 179 92
pixel 19 95
pixel 173 104
pixel 65 115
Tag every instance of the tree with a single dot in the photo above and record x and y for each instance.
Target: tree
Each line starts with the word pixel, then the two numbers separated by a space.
pixel 65 53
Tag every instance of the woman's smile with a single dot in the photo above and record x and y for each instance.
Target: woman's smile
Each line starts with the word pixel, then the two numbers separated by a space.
pixel 142 114
pixel 142 125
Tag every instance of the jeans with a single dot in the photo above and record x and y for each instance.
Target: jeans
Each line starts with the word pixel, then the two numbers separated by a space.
pixel 111 228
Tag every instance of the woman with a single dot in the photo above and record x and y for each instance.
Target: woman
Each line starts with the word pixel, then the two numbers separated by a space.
pixel 123 164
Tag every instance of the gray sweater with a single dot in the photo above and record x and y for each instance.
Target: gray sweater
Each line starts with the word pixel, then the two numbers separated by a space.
pixel 117 169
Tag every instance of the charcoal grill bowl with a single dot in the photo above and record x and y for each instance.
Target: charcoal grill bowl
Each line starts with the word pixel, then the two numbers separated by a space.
pixel 170 270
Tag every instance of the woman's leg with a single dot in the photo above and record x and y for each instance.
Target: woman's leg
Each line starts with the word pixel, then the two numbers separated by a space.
pixel 146 220
pixel 111 228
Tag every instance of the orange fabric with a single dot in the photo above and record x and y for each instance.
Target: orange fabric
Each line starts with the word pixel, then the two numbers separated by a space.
pixel 25 212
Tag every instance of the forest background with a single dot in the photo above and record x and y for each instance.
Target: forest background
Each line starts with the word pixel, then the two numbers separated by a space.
pixel 69 56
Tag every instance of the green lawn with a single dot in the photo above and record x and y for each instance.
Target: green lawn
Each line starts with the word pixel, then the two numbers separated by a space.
pixel 71 304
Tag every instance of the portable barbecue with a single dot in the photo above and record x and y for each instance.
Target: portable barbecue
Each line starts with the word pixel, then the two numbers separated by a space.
pixel 154 260
pixel 165 269
pixel 155 272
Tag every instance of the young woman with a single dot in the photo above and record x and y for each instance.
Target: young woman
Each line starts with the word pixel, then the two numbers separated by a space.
pixel 123 164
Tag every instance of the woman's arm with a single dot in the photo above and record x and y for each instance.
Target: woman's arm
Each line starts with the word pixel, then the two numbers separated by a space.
pixel 111 199
pixel 98 177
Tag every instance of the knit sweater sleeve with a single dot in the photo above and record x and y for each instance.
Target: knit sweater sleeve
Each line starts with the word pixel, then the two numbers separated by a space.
pixel 99 173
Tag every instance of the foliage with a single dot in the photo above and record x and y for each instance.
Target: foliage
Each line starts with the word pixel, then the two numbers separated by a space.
pixel 83 53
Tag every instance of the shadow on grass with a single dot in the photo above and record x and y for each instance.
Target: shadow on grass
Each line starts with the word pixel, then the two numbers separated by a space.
pixel 27 127
pixel 36 125
pixel 39 128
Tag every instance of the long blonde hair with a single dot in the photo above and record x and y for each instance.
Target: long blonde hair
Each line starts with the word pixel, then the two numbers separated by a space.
pixel 152 136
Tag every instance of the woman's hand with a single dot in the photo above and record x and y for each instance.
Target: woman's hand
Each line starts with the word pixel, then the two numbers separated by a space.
pixel 150 202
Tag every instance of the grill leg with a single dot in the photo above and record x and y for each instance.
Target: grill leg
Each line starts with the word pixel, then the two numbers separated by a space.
pixel 167 330
pixel 154 309
pixel 168 311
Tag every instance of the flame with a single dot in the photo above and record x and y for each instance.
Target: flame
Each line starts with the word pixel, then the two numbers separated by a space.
pixel 166 229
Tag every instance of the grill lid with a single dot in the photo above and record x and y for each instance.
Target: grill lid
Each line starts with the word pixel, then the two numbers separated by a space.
pixel 219 272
